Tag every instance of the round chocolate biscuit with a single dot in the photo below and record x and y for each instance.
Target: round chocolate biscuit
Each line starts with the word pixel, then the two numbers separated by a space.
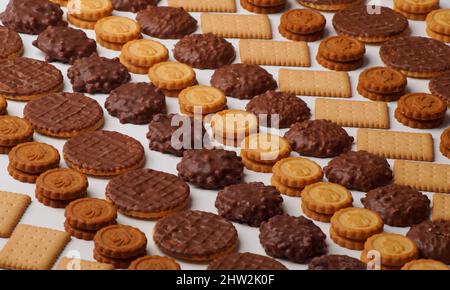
pixel 336 262
pixel 398 205
pixel 64 114
pixel 295 238
pixel 204 51
pixel 135 103
pixel 359 170
pixel 103 153
pixel 416 54
pixel 166 22
pixel 211 168
pixel 147 193
pixel 245 261
pixel 32 16
pixel 370 23
pixel 195 236
pixel 65 44
pixel 432 238
pixel 12 45
pixel 133 5
pixel 286 106
pixel 249 203
pixel 95 74
pixel 440 86
pixel 243 81
pixel 319 138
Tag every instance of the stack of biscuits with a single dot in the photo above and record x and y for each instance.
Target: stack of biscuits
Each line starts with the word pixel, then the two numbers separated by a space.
pixel 260 152
pixel 382 84
pixel 291 175
pixel 14 130
pixel 113 32
pixel 172 77
pixel 263 6
pixel 341 53
pixel 322 199
pixel 230 127
pixel 86 216
pixel 59 186
pixel 141 54
pixel 414 9
pixel 437 28
pixel 201 101
pixel 302 25
pixel 85 13
pixel 444 145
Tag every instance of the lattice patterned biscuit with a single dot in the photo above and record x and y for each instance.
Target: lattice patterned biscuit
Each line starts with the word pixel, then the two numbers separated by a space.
pixel 12 207
pixel 237 26
pixel 204 5
pixel 441 207
pixel 422 175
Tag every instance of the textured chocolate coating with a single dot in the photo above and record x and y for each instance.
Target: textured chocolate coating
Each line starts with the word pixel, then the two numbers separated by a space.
pixel 133 5
pixel 245 261
pixel 359 170
pixel 32 16
pixel 191 234
pixel 433 240
pixel 336 262
pixel 204 51
pixel 63 112
pixel 249 203
pixel 295 238
pixel 11 43
pixel 416 54
pixel 26 76
pixel 319 138
pixel 289 108
pixel 161 131
pixel 147 190
pixel 440 86
pixel 243 81
pixel 105 151
pixel 398 205
pixel 135 103
pixel 95 74
pixel 211 168
pixel 65 44
pixel 166 22
pixel 369 22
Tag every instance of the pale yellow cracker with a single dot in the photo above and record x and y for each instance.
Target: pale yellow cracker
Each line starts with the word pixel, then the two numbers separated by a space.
pixel 441 207
pixel 12 207
pixel 396 145
pixel 33 248
pixel 353 113
pixel 423 175
pixel 237 26
pixel 77 264
pixel 315 83
pixel 204 5
pixel 280 53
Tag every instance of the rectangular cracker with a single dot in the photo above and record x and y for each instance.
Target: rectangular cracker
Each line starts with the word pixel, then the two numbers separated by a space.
pixel 315 83
pixel 77 264
pixel 237 26
pixel 33 248
pixel 353 113
pixel 204 5
pixel 441 207
pixel 396 145
pixel 423 175
pixel 269 52
pixel 12 208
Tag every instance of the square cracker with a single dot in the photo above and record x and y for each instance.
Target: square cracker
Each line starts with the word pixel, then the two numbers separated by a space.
pixel 315 83
pixel 269 52
pixel 237 26
pixel 77 264
pixel 423 175
pixel 33 248
pixel 353 113
pixel 396 145
pixel 204 5
pixel 12 208
pixel 441 207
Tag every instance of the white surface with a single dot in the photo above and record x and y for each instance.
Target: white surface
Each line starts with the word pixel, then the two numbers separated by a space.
pixel 39 215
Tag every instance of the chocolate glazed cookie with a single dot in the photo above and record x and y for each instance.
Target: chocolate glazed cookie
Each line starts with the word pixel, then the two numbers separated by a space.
pixel 243 81
pixel 12 45
pixel 204 51
pixel 32 16
pixel 359 170
pixel 211 168
pixel 65 44
pixel 336 262
pixel 245 261
pixel 398 205
pixel 319 138
pixel 440 86
pixel 133 5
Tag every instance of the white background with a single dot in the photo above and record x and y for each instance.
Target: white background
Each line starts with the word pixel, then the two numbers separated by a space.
pixel 39 215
